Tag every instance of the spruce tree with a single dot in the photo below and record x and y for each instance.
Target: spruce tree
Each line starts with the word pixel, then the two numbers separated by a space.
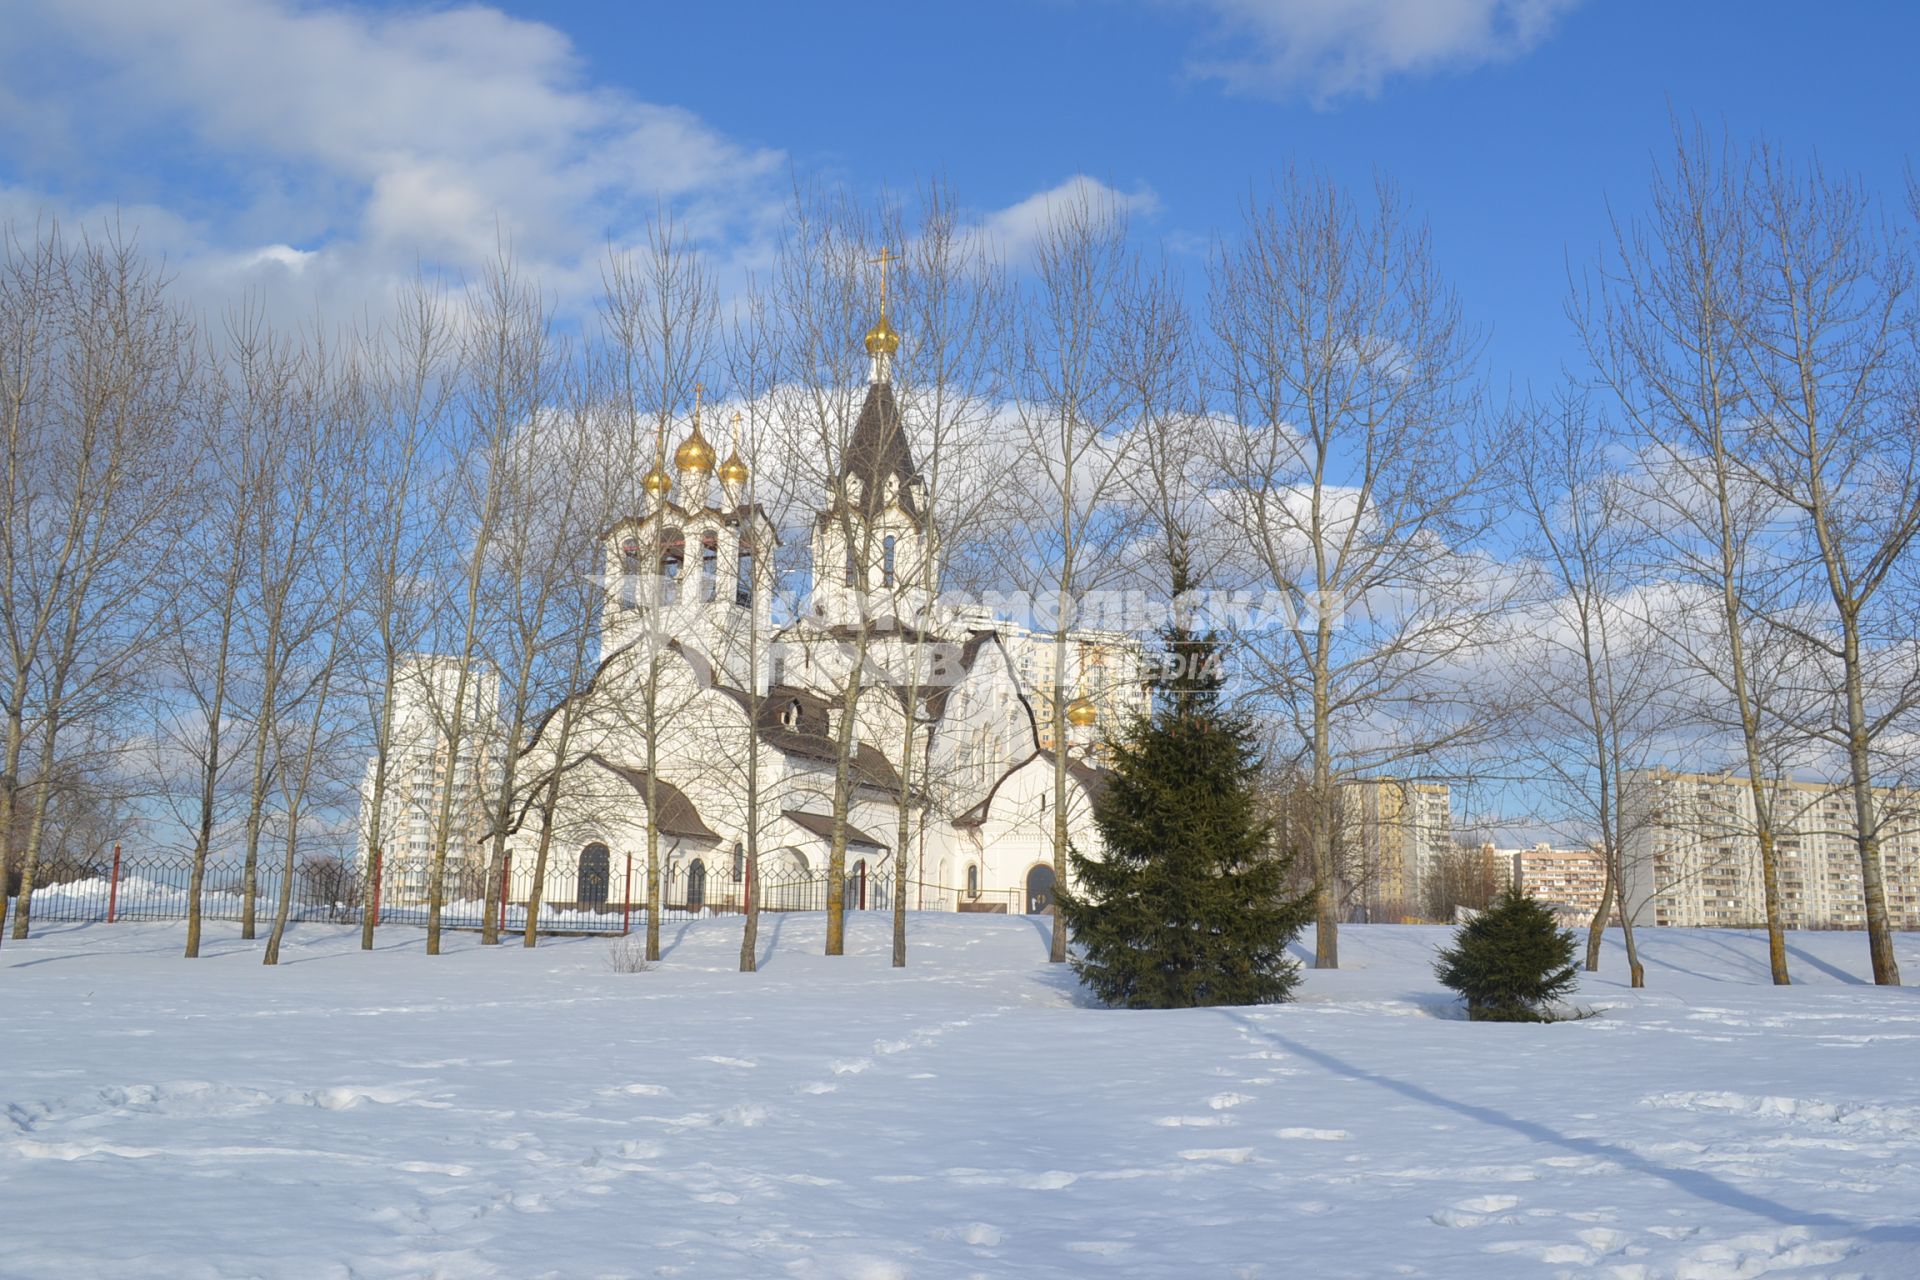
pixel 1188 906
pixel 1510 961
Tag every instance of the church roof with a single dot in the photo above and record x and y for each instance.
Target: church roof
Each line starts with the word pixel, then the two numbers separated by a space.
pixel 808 737
pixel 877 452
pixel 678 817
pixel 821 825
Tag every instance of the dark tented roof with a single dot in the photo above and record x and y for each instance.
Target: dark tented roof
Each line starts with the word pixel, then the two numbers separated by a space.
pixel 878 451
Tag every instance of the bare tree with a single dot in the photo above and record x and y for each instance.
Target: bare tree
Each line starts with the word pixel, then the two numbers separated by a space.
pixel 842 434
pixel 1598 681
pixel 95 369
pixel 1073 409
pixel 659 318
pixel 1663 330
pixel 1826 351
pixel 505 350
pixel 952 302
pixel 1356 482
pixel 396 505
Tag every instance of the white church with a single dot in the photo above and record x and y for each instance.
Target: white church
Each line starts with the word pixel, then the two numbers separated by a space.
pixel 957 763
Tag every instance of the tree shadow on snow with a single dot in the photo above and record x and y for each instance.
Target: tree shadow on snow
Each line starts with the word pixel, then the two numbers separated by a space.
pixel 1827 967
pixel 1694 1182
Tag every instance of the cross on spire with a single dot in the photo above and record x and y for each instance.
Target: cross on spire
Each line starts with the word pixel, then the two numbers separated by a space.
pixel 699 390
pixel 886 257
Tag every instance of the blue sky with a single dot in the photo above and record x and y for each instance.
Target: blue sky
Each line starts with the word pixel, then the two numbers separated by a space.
pixel 315 151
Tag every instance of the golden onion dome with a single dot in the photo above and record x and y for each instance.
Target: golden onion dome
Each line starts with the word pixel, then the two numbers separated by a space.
pixel 882 339
pixel 1081 713
pixel 657 482
pixel 733 470
pixel 694 453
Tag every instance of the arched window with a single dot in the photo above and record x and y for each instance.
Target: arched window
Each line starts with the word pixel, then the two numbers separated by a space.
pixel 743 579
pixel 709 565
pixel 973 879
pixel 739 863
pixel 886 560
pixel 853 575
pixel 790 714
pixel 696 885
pixel 673 550
pixel 629 571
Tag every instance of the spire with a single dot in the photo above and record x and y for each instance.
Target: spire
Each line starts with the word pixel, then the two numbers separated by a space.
pixel 882 340
pixel 657 482
pixel 733 472
pixel 878 454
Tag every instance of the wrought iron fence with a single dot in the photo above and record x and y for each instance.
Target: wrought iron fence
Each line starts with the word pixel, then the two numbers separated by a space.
pixel 577 894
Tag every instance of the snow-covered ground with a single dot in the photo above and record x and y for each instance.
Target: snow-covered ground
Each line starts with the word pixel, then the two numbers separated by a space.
pixel 515 1113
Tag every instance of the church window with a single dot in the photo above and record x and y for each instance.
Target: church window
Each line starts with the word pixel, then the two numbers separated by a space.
pixel 739 863
pixel 709 564
pixel 672 552
pixel 886 560
pixel 696 885
pixel 790 714
pixel 743 580
pixel 852 567
pixel 973 879
pixel 629 570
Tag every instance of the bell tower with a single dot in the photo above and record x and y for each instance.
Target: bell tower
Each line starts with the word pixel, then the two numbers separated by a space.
pixel 874 542
pixel 696 566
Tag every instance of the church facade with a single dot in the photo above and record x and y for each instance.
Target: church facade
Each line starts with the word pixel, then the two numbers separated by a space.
pixel 716 731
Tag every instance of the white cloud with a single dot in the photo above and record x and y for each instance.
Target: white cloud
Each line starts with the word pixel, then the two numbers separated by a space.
pixel 1014 230
pixel 344 145
pixel 1327 50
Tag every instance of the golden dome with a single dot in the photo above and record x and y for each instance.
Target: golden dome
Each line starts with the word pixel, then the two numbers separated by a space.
pixel 694 453
pixel 657 482
pixel 881 339
pixel 733 470
pixel 1081 713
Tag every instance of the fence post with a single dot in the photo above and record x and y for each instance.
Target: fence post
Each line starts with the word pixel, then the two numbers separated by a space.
pixel 506 871
pixel 626 895
pixel 113 887
pixel 379 865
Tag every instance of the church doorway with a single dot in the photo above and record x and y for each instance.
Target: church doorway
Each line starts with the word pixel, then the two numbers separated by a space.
pixel 1040 890
pixel 591 890
pixel 696 885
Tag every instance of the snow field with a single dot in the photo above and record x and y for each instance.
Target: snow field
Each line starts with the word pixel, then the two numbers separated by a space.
pixel 499 1112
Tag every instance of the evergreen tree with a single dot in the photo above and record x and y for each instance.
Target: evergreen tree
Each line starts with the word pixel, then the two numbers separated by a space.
pixel 1189 906
pixel 1510 961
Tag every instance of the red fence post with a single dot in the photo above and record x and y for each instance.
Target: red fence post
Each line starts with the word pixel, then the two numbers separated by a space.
pixel 506 870
pixel 113 887
pixel 626 893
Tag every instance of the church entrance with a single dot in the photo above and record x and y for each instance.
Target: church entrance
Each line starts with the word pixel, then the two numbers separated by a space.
pixel 1040 890
pixel 591 890
pixel 696 885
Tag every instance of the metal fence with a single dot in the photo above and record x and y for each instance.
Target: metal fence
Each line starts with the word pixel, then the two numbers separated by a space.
pixel 595 897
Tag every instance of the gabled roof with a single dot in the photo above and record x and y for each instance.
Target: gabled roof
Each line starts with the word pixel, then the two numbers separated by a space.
pixel 808 738
pixel 821 825
pixel 878 451
pixel 1092 781
pixel 678 817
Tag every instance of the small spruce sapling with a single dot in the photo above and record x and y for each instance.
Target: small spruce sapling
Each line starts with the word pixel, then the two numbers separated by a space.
pixel 1511 961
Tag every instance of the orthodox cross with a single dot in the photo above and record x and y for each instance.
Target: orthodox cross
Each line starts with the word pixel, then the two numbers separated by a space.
pixel 886 256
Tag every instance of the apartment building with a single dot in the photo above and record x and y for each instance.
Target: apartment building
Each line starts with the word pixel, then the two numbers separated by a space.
pixel 1692 857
